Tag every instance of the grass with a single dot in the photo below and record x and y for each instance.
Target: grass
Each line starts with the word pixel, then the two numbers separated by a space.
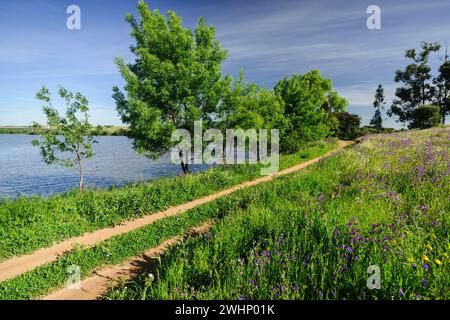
pixel 27 224
pixel 314 234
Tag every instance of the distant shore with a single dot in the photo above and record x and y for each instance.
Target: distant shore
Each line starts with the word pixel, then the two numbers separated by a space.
pixel 98 130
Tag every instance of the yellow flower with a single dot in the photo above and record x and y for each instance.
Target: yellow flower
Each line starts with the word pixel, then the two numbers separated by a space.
pixel 433 236
pixel 425 258
pixel 438 262
pixel 446 255
pixel 429 247
pixel 410 259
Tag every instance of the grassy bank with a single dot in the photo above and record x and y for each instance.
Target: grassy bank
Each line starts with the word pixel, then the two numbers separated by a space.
pixel 313 235
pixel 27 224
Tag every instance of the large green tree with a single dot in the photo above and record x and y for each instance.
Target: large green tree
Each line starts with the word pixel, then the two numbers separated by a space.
pixel 65 134
pixel 310 104
pixel 378 104
pixel 417 89
pixel 175 80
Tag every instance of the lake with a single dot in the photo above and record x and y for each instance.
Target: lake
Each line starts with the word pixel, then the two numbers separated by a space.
pixel 22 171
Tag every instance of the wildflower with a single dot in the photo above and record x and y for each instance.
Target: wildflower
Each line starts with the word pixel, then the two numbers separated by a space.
pixel 400 292
pixel 410 259
pixel 425 258
pixel 429 247
pixel 424 282
pixel 151 276
pixel 446 255
pixel 414 266
pixel 438 262
pixel 349 249
pixel 425 266
pixel 418 296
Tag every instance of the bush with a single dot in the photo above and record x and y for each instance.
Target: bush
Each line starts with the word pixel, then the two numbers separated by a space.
pixel 348 126
pixel 424 117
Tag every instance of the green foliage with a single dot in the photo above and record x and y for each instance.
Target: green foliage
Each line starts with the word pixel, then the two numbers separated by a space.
pixel 424 117
pixel 247 106
pixel 442 82
pixel 174 81
pixel 348 126
pixel 377 120
pixel 417 89
pixel 378 104
pixel 69 133
pixel 309 105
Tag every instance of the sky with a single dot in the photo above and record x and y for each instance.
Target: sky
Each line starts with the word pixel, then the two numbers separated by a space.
pixel 268 39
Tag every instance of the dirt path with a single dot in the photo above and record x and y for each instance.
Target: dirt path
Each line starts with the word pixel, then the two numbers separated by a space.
pixel 97 285
pixel 18 265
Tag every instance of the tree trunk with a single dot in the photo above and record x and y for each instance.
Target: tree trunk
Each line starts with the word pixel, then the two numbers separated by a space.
pixel 184 166
pixel 80 164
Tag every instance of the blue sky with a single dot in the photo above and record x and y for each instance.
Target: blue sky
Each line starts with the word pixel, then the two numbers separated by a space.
pixel 269 39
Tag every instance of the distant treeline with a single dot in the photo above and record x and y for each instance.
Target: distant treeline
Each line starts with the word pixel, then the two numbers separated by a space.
pixel 97 131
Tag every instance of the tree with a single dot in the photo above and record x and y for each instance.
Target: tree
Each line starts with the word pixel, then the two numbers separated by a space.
pixel 417 89
pixel 424 117
pixel 175 80
pixel 70 133
pixel 309 105
pixel 246 105
pixel 378 104
pixel 348 125
pixel 442 82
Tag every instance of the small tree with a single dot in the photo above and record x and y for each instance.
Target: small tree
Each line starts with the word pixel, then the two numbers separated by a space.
pixel 424 117
pixel 379 104
pixel 71 133
pixel 348 125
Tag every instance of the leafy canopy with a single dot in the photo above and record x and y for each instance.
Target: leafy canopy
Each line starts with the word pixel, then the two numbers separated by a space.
pixel 175 79
pixel 309 106
pixel 69 133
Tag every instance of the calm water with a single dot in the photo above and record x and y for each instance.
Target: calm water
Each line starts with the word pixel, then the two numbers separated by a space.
pixel 22 171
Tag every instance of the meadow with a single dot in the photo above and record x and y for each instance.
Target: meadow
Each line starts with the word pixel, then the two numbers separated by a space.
pixel 314 234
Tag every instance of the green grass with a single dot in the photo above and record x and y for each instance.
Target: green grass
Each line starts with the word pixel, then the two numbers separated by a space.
pixel 27 224
pixel 313 235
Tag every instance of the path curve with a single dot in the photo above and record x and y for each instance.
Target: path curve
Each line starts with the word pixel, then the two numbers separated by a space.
pixel 98 284
pixel 16 266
